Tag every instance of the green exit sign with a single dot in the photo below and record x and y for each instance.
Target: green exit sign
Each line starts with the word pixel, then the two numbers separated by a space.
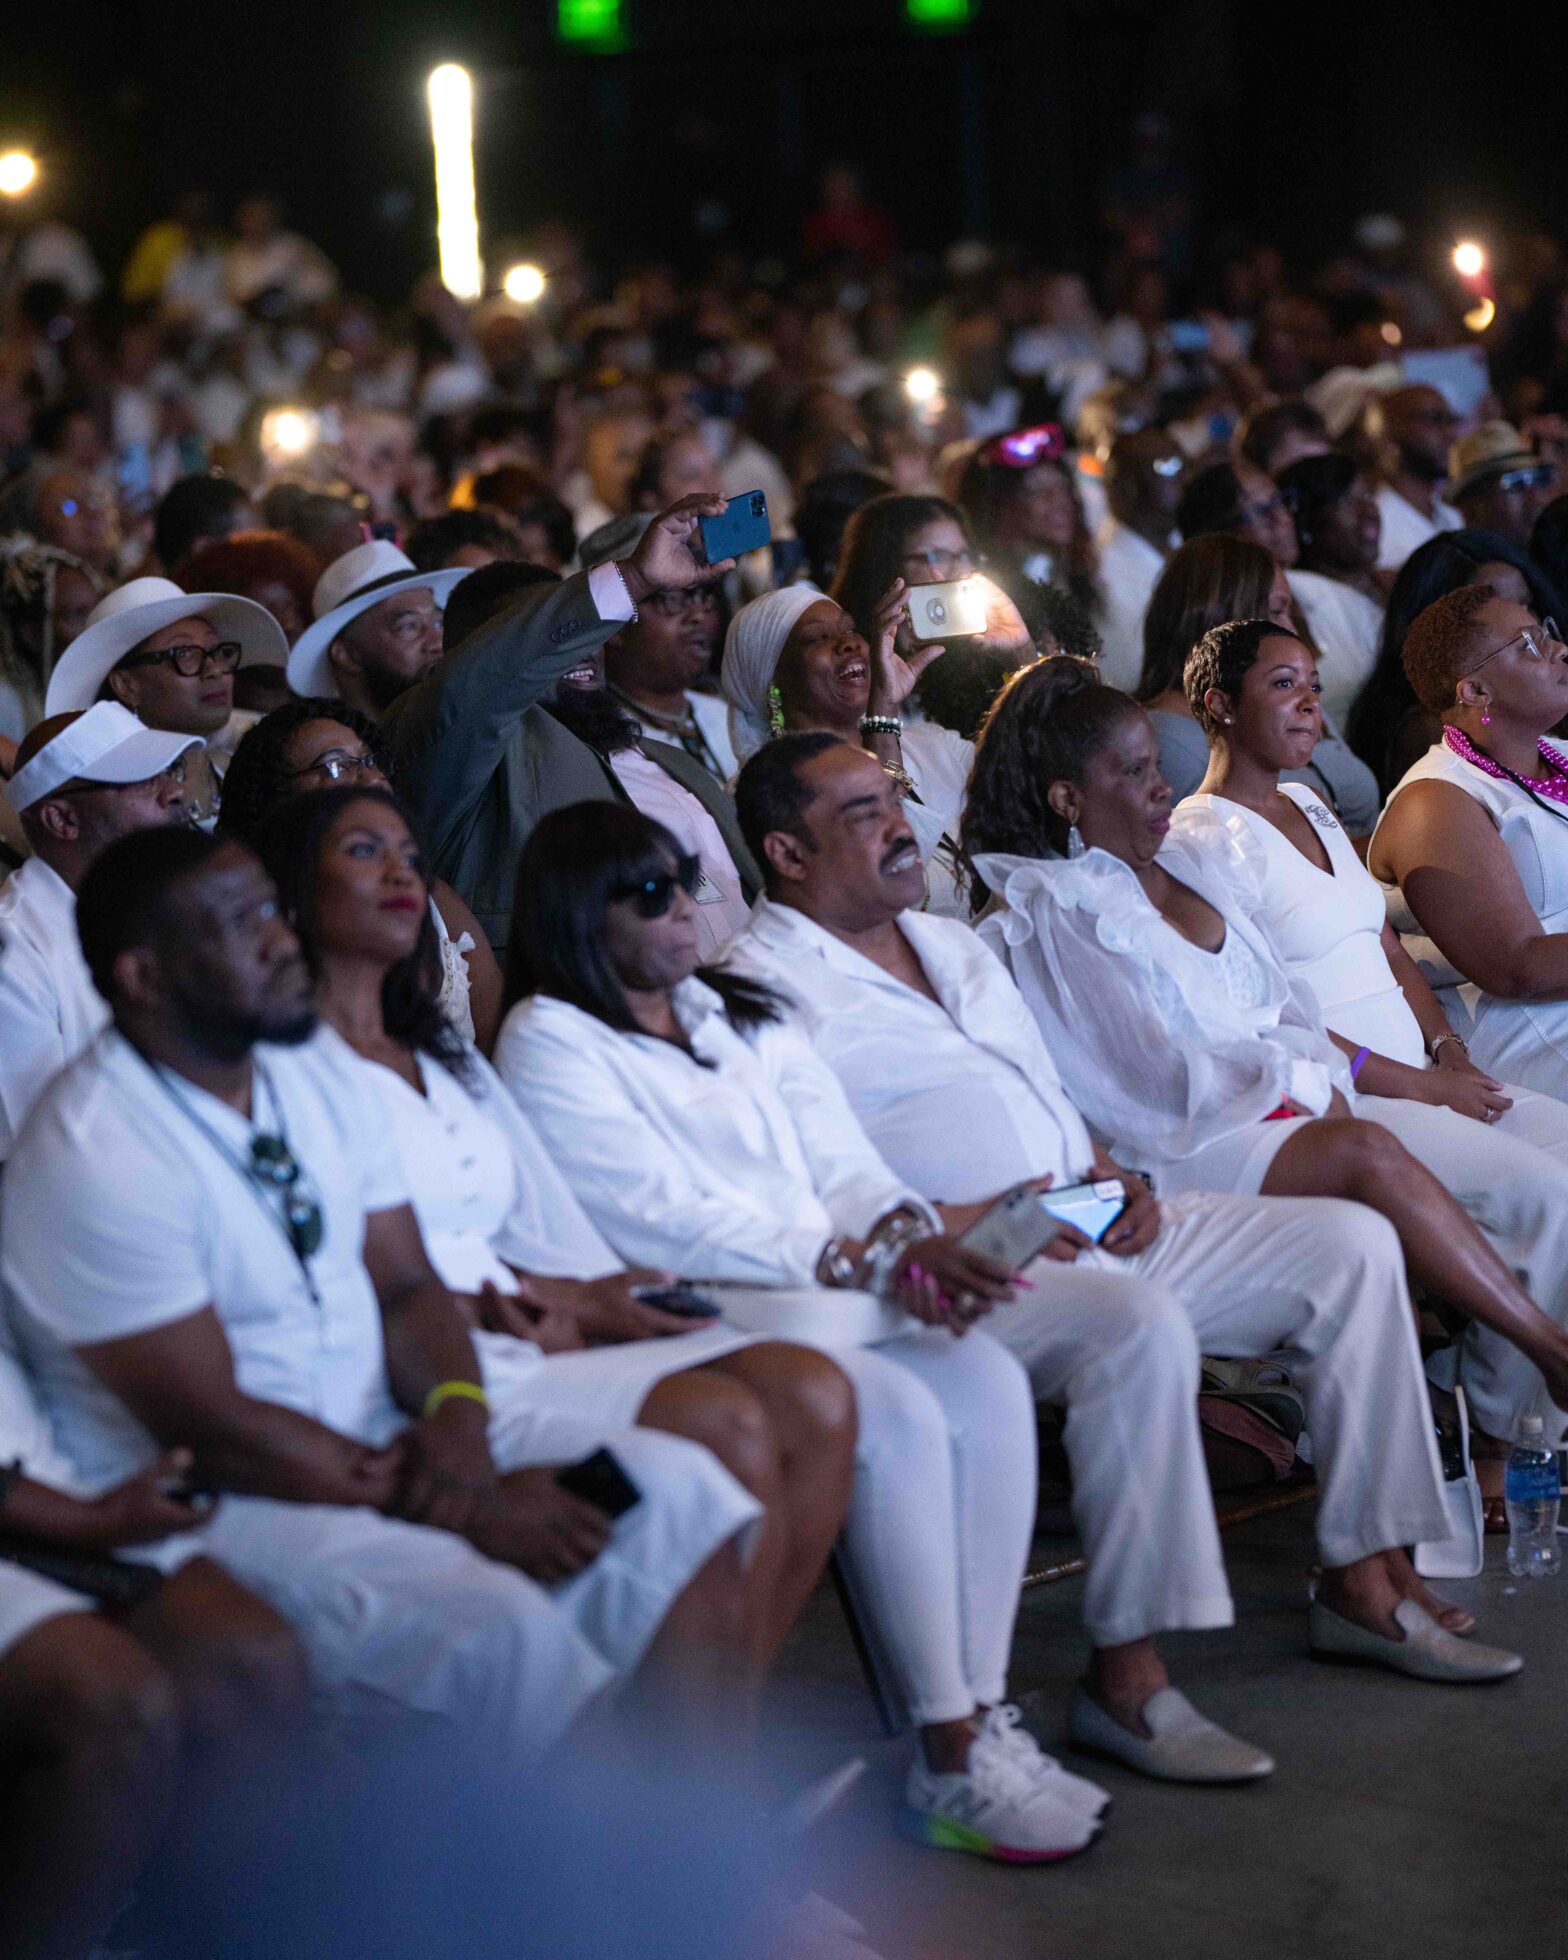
pixel 940 16
pixel 593 24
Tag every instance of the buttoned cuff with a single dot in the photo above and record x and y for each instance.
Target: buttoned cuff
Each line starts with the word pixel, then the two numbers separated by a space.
pixel 609 593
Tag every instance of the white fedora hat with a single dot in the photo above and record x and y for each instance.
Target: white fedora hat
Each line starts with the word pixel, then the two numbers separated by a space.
pixel 350 585
pixel 122 619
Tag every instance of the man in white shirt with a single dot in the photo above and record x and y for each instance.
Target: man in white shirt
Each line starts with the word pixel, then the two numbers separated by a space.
pixel 81 781
pixel 1415 426
pixel 207 1239
pixel 1143 478
pixel 91 1725
pixel 945 1068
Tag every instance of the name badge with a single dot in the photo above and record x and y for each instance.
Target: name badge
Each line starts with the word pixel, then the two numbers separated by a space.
pixel 707 892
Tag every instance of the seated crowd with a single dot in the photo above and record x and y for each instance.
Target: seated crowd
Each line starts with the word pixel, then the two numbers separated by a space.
pixel 512 1033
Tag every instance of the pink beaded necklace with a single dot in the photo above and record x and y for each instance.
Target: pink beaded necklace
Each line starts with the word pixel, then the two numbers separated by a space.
pixel 1554 786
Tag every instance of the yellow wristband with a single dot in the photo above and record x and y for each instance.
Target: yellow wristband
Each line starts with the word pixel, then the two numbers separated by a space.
pixel 452 1391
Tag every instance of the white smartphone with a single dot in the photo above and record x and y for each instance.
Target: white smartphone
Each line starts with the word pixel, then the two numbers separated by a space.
pixel 1094 1207
pixel 1014 1231
pixel 948 611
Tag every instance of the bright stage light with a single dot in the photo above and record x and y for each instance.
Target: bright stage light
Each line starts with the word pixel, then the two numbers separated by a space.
pixel 524 283
pixel 1469 260
pixel 922 385
pixel 18 173
pixel 451 93
pixel 288 433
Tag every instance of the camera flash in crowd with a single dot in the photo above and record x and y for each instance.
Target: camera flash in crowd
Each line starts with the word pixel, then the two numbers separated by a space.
pixel 451 94
pixel 18 173
pixel 1469 260
pixel 524 283
pixel 922 385
pixel 287 433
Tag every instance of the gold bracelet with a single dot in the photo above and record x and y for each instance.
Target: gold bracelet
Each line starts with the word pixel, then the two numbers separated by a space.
pixel 452 1392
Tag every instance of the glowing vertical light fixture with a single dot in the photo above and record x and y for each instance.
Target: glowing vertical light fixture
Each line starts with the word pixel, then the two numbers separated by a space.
pixel 451 93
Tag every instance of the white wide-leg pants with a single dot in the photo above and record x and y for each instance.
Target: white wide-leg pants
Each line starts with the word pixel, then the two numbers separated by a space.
pixel 1317 1281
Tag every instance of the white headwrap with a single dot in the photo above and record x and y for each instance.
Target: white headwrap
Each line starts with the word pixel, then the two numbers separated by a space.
pixel 751 655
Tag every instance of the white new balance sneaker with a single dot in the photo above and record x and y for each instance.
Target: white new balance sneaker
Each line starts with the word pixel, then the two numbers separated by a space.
pixel 1004 1724
pixel 1004 1806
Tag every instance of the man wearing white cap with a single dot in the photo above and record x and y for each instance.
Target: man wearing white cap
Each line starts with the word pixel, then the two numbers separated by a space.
pixel 377 628
pixel 170 657
pixel 81 782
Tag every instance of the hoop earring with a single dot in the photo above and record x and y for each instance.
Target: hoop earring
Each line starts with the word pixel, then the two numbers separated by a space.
pixel 775 712
pixel 1075 844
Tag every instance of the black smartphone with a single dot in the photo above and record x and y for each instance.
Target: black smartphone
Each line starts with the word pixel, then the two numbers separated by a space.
pixel 743 527
pixel 682 1298
pixel 601 1482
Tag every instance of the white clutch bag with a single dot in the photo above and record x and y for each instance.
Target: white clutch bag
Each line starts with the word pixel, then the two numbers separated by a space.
pixel 1462 1554
pixel 817 1316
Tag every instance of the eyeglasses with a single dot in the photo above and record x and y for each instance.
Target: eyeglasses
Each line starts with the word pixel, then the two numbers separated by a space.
pixel 1534 639
pixel 1528 478
pixel 669 603
pixel 338 763
pixel 274 1165
pixel 189 661
pixel 175 773
pixel 942 564
pixel 654 896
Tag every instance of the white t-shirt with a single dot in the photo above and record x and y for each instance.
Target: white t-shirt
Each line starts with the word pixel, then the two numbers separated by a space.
pixel 1405 529
pixel 119 1215
pixel 49 1007
pixel 721 904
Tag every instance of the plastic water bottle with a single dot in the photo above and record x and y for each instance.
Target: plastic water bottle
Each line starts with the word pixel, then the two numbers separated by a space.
pixel 1533 1496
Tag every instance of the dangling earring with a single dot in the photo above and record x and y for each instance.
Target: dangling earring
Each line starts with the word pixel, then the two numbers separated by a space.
pixel 1486 721
pixel 1075 843
pixel 775 711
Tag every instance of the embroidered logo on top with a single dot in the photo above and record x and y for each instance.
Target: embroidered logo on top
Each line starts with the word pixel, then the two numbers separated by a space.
pixel 1315 813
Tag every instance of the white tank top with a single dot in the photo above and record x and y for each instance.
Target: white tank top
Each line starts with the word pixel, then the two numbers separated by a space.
pixel 1326 925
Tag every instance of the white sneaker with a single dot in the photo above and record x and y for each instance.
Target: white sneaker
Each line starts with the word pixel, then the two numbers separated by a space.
pixel 1001 1807
pixel 1004 1725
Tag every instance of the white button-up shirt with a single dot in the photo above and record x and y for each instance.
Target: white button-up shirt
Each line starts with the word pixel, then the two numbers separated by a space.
pixel 962 1097
pixel 1130 569
pixel 739 1170
pixel 49 1007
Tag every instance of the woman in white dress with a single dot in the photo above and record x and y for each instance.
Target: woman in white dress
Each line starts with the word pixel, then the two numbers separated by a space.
pixel 1502 1151
pixel 700 1132
pixel 1179 1034
pixel 1472 846
pixel 558 1321
pixel 794 661
pixel 314 745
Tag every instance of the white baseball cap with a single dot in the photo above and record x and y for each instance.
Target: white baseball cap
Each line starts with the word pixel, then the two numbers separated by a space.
pixel 122 619
pixel 350 585
pixel 103 744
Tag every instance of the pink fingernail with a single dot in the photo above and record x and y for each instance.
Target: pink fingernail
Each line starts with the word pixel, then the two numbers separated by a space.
pixel 1019 1280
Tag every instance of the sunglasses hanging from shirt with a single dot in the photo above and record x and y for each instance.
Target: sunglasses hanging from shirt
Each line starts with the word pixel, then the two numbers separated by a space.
pixel 271 1173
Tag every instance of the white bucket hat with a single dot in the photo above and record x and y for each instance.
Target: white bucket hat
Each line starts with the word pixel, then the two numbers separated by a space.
pixel 350 585
pixel 106 744
pixel 122 619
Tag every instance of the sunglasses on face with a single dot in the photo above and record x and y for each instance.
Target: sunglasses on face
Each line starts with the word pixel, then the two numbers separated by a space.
pixel 189 661
pixel 653 897
pixel 1529 478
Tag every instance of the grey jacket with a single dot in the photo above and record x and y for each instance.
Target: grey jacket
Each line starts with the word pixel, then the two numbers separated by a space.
pixel 480 760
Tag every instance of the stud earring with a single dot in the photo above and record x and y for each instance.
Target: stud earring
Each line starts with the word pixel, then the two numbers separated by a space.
pixel 775 712
pixel 1075 843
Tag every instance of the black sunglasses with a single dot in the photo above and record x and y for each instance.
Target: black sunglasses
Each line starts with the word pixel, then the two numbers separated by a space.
pixel 653 897
pixel 273 1164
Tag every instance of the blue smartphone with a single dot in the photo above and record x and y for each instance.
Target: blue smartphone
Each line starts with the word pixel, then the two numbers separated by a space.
pixel 1094 1208
pixel 743 527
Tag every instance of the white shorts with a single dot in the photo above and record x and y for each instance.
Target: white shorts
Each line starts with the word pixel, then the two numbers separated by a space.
pixel 27 1599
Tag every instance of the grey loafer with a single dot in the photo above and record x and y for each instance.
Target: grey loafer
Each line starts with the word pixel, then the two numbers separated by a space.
pixel 1182 1746
pixel 1428 1651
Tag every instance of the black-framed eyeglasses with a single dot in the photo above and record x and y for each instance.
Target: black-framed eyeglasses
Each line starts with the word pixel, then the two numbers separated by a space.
pixel 671 603
pixel 337 764
pixel 1534 639
pixel 189 661
pixel 274 1165
pixel 654 896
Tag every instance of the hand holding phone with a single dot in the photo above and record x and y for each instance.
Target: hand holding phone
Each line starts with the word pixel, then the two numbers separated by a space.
pixel 953 610
pixel 1015 1230
pixel 741 528
pixel 600 1481
pixel 682 1298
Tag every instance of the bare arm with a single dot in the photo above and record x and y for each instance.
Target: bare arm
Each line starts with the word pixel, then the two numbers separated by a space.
pixel 178 1381
pixel 484 971
pixel 1460 883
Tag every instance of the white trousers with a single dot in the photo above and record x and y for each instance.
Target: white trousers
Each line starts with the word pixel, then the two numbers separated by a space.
pixel 27 1599
pixel 1317 1281
pixel 415 1618
pixel 941 1510
pixel 1512 1178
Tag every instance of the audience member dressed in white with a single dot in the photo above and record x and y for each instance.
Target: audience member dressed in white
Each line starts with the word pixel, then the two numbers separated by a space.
pixel 121 1214
pixel 49 1008
pixel 28 1599
pixel 1345 626
pixel 962 1099
pixel 1523 1040
pixel 741 1165
pixel 1129 570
